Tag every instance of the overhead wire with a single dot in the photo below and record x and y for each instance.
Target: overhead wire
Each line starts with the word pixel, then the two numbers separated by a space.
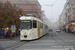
pixel 54 2
pixel 52 8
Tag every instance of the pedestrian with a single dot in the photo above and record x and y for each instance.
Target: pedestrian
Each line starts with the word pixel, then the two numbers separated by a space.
pixel 5 32
pixel 19 31
pixel 2 33
pixel 68 30
pixel 10 34
pixel 53 33
pixel 65 30
pixel 74 31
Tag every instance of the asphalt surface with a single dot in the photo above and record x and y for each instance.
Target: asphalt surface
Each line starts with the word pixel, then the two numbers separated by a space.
pixel 51 41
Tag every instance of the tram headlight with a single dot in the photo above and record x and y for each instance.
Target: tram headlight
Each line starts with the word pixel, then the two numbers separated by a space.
pixel 20 34
pixel 29 34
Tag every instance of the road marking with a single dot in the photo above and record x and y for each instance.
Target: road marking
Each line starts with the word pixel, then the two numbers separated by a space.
pixel 46 49
pixel 44 41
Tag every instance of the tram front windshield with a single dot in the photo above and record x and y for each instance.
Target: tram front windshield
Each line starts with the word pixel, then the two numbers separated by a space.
pixel 26 24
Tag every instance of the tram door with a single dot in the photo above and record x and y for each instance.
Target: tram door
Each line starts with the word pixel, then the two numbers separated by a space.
pixel 38 28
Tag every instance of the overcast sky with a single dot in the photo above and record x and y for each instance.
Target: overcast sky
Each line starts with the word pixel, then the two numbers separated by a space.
pixel 52 13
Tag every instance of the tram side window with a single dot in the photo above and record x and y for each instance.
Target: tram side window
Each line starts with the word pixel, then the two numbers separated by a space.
pixel 34 24
pixel 41 25
pixel 47 27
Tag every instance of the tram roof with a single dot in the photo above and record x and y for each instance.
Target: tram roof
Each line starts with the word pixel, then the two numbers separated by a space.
pixel 30 18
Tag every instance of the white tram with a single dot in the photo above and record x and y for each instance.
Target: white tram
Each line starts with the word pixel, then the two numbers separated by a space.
pixel 32 28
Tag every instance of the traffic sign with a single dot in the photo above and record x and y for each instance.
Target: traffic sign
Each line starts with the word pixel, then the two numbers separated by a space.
pixel 13 28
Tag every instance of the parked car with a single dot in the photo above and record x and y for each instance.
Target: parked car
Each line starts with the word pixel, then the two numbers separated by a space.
pixel 58 30
pixel 50 29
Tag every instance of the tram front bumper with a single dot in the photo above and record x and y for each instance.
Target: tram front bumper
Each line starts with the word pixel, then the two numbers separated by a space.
pixel 25 37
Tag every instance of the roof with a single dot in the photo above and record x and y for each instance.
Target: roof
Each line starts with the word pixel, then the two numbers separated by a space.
pixel 34 13
pixel 29 18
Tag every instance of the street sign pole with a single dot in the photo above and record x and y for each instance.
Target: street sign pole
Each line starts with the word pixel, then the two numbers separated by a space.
pixel 13 29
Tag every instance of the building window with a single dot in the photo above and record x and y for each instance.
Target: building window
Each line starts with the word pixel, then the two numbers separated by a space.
pixel 73 5
pixel 69 10
pixel 67 7
pixel 69 17
pixel 73 15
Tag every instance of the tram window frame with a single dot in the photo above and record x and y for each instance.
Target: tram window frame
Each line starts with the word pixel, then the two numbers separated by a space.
pixel 34 24
pixel 24 22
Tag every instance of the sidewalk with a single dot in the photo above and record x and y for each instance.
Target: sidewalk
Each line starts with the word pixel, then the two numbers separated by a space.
pixel 8 38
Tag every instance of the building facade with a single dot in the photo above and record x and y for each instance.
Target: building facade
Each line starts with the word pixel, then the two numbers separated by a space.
pixel 68 15
pixel 46 20
pixel 70 9
pixel 28 6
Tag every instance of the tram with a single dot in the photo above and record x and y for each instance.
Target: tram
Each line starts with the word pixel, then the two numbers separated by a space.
pixel 32 28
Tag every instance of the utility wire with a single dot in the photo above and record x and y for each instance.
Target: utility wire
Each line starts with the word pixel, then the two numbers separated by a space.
pixel 52 7
pixel 54 2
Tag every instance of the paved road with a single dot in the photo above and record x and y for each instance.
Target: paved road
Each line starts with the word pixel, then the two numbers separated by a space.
pixel 6 42
pixel 60 41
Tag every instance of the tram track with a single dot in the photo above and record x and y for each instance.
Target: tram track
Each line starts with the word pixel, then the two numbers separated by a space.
pixel 15 45
pixel 61 40
pixel 19 45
